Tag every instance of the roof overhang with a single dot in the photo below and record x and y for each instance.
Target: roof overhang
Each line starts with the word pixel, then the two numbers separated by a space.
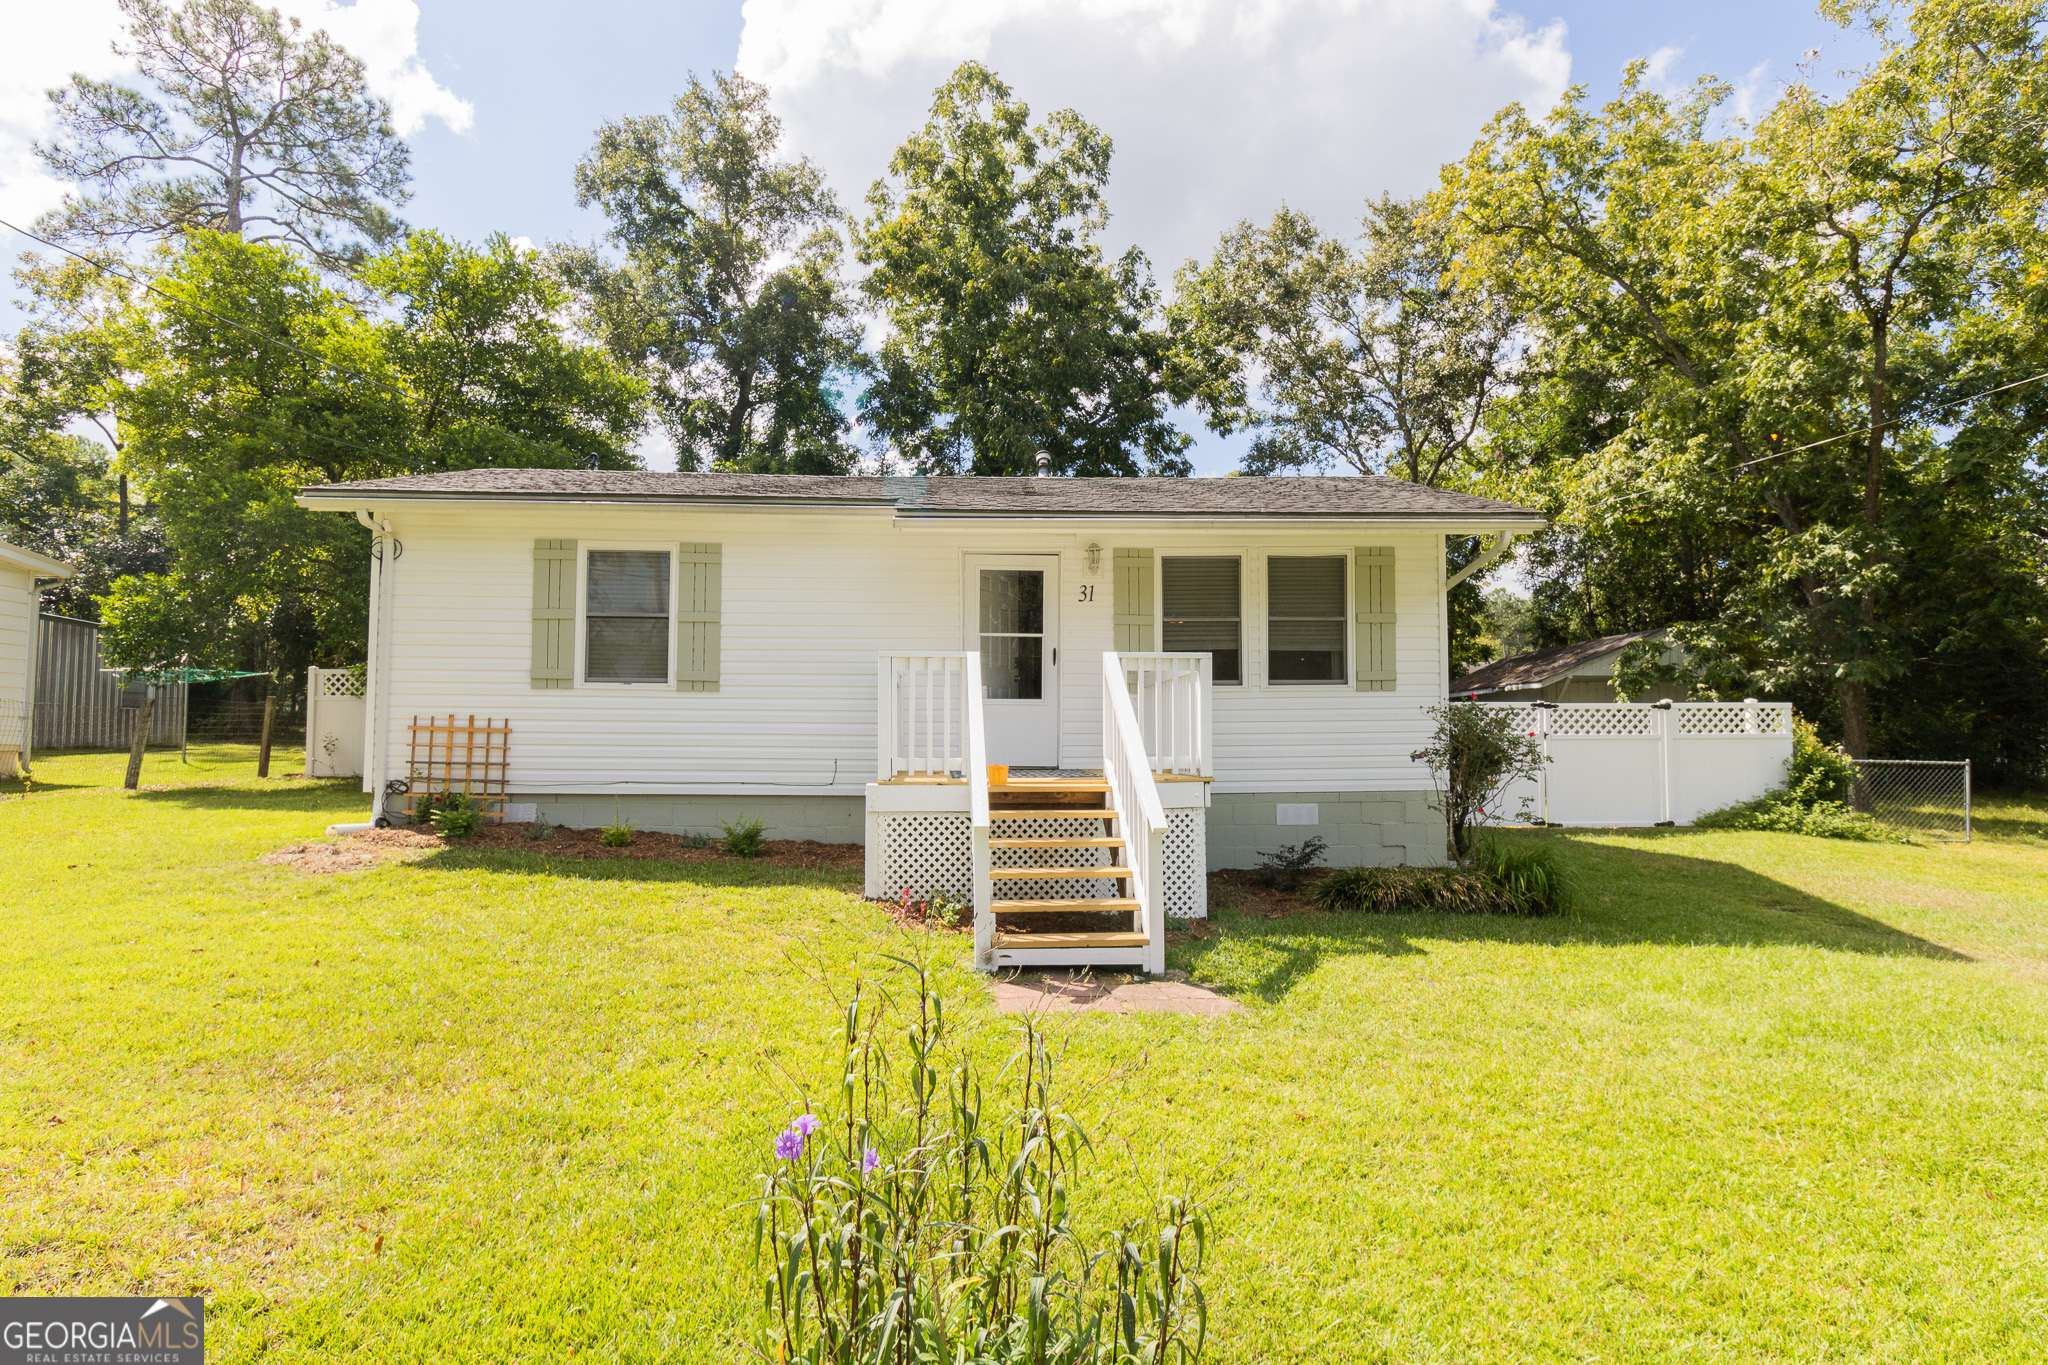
pixel 349 502
pixel 41 566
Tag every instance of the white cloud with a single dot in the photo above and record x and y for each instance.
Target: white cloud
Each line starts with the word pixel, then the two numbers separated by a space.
pixel 1220 109
pixel 47 42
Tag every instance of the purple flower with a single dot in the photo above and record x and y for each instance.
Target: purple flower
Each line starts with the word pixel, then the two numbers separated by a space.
pixel 789 1146
pixel 806 1124
pixel 869 1160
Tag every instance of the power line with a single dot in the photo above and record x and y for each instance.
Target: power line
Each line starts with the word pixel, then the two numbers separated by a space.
pixel 1830 440
pixel 268 339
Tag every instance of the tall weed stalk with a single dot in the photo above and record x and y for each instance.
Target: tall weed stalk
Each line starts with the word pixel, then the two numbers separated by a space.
pixel 928 1215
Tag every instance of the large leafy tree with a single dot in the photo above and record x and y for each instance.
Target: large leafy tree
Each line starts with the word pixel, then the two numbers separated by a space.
pixel 246 376
pixel 1008 333
pixel 1745 405
pixel 246 126
pixel 1375 354
pixel 727 297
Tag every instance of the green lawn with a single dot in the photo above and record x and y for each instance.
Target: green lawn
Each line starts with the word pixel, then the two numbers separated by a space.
pixel 1762 1098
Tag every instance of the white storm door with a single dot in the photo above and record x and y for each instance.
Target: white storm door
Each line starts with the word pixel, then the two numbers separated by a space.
pixel 1013 609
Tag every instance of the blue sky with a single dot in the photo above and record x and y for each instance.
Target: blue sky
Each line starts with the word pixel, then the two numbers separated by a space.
pixel 1220 108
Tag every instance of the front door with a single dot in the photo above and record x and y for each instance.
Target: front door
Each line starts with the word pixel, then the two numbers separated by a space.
pixel 1013 607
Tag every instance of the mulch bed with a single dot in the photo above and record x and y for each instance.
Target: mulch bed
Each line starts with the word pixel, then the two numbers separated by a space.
pixel 647 845
pixel 1242 891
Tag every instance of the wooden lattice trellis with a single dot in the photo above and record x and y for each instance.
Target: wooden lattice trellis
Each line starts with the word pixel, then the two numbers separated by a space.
pixel 463 755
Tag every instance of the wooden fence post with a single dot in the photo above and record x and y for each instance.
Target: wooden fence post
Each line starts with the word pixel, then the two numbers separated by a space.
pixel 135 746
pixel 263 752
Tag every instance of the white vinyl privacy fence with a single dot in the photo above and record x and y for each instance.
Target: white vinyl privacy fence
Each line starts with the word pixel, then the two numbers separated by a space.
pixel 1656 763
pixel 334 722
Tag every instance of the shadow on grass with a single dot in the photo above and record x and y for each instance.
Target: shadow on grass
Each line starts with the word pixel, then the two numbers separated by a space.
pixel 1625 896
pixel 710 872
pixel 291 794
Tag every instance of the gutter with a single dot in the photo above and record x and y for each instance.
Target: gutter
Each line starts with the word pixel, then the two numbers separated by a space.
pixel 1502 540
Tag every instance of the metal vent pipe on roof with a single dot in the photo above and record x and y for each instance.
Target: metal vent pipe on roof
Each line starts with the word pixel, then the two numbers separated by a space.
pixel 1044 465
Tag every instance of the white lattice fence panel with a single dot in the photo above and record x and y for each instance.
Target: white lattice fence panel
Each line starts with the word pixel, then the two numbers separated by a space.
pixel 1602 721
pixel 1721 719
pixel 341 682
pixel 1186 875
pixel 927 853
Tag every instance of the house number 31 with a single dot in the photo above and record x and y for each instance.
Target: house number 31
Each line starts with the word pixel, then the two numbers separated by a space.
pixel 1087 592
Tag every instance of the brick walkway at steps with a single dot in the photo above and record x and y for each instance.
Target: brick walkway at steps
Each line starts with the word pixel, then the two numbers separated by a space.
pixel 1107 993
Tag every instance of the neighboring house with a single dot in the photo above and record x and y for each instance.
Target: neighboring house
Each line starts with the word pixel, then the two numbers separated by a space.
pixel 1253 655
pixel 22 575
pixel 1582 672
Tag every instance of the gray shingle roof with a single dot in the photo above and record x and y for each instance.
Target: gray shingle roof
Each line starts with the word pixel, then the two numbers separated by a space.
pixel 1540 666
pixel 958 496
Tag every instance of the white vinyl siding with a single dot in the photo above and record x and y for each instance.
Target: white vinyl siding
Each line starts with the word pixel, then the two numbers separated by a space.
pixel 807 601
pixel 17 618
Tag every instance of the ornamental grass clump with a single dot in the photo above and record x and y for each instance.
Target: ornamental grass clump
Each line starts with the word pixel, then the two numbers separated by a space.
pixel 927 1213
pixel 1501 877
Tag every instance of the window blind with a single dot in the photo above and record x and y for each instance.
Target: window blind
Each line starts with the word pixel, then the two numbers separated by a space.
pixel 626 616
pixel 1200 601
pixel 1305 603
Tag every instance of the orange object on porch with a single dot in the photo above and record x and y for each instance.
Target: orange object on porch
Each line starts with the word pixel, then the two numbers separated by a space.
pixel 998 774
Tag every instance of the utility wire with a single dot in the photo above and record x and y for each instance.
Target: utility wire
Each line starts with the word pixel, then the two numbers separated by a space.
pixel 280 342
pixel 1830 440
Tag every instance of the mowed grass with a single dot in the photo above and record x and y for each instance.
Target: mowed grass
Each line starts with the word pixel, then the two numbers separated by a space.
pixel 1761 1098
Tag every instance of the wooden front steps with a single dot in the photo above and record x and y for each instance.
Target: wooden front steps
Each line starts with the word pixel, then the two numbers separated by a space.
pixel 1112 871
pixel 1070 935
pixel 1084 941
pixel 1077 906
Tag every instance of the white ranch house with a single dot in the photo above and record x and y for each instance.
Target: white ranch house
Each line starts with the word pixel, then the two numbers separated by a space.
pixel 22 576
pixel 1178 673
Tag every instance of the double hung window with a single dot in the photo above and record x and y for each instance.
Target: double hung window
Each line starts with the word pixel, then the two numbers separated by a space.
pixel 626 616
pixel 1201 612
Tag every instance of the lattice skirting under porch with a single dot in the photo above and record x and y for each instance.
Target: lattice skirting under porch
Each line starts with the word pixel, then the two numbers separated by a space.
pixel 932 851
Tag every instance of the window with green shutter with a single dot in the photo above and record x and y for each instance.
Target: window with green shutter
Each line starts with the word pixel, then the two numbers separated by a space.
pixel 554 615
pixel 1305 619
pixel 1132 589
pixel 1373 569
pixel 699 587
pixel 1201 610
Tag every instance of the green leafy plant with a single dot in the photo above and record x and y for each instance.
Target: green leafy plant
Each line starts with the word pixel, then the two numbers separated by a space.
pixel 697 840
pixel 923 1212
pixel 744 838
pixel 1527 869
pixel 454 815
pixel 1285 867
pixel 540 830
pixel 1474 755
pixel 1812 800
pixel 617 835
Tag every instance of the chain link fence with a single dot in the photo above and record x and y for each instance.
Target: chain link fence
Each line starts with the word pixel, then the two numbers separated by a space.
pixel 1922 798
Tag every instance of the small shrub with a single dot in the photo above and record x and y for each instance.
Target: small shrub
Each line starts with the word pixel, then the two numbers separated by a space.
pixel 1812 800
pixel 697 840
pixel 540 830
pixel 454 815
pixel 1527 871
pixel 1284 868
pixel 616 836
pixel 927 1207
pixel 1474 755
pixel 744 838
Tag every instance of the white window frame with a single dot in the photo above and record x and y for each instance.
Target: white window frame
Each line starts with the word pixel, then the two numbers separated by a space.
pixel 1346 670
pixel 668 663
pixel 1244 620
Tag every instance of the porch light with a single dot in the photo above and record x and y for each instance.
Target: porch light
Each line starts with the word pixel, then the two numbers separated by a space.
pixel 1094 557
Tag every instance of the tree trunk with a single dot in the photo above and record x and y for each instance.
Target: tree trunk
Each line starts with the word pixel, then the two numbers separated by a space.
pixel 263 750
pixel 124 504
pixel 136 745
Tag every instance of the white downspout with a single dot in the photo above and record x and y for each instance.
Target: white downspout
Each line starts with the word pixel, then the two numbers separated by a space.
pixel 375 752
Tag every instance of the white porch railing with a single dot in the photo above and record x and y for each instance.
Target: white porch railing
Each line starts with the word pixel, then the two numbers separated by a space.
pixel 1127 766
pixel 924 714
pixel 1170 696
pixel 978 818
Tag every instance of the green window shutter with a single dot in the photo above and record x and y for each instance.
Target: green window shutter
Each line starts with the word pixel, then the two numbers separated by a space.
pixel 1133 591
pixel 699 589
pixel 1373 568
pixel 554 614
